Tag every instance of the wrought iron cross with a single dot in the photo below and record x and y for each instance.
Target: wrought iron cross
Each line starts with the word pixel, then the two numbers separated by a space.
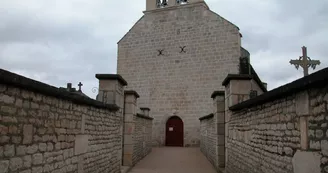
pixel 80 86
pixel 182 49
pixel 305 62
pixel 160 52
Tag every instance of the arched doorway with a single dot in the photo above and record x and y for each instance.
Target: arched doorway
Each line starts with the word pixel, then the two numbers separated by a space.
pixel 174 132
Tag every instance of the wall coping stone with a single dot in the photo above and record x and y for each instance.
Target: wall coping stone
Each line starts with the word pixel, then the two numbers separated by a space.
pixel 206 117
pixel 217 93
pixel 144 116
pixel 112 77
pixel 245 77
pixel 236 77
pixel 22 82
pixel 132 92
pixel 147 109
pixel 315 79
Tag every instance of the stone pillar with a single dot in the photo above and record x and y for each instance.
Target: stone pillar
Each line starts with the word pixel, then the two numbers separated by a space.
pixel 172 3
pixel 151 5
pixel 146 122
pixel 130 110
pixel 302 103
pixel 237 89
pixel 219 114
pixel 111 89
pixel 145 111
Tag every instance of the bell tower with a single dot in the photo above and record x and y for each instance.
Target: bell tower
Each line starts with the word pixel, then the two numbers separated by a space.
pixel 157 4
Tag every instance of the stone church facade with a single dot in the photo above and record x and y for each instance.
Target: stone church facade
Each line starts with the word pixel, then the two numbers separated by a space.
pixel 175 56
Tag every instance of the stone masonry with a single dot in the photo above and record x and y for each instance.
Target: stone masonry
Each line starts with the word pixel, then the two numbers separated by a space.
pixel 175 57
pixel 214 126
pixel 137 130
pixel 284 130
pixel 212 132
pixel 318 124
pixel 44 129
pixel 143 142
pixel 208 138
pixel 268 136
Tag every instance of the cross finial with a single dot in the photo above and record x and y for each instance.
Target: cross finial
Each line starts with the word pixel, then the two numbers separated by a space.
pixel 305 62
pixel 80 85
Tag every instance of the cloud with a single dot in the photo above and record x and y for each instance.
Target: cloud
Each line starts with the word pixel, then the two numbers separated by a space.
pixel 62 41
pixel 275 31
pixel 70 41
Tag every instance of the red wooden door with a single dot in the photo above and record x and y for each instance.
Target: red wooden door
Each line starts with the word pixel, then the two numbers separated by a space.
pixel 174 132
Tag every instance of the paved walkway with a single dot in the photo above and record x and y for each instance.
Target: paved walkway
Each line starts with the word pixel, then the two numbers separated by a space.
pixel 174 160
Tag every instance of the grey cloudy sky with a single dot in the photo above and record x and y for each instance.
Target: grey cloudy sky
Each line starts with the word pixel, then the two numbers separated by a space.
pixel 71 40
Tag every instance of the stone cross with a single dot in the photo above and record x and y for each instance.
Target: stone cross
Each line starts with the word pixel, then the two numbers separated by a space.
pixel 305 62
pixel 80 85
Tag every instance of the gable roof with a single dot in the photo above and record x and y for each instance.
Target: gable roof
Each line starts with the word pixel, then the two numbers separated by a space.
pixel 174 7
pixel 130 29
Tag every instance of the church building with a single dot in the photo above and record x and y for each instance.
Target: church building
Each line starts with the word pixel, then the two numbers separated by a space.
pixel 174 57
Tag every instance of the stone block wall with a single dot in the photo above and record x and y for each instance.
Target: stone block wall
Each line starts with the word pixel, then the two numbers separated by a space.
pixel 318 124
pixel 104 150
pixel 212 132
pixel 284 130
pixel 208 138
pixel 44 129
pixel 263 138
pixel 142 137
pixel 137 130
